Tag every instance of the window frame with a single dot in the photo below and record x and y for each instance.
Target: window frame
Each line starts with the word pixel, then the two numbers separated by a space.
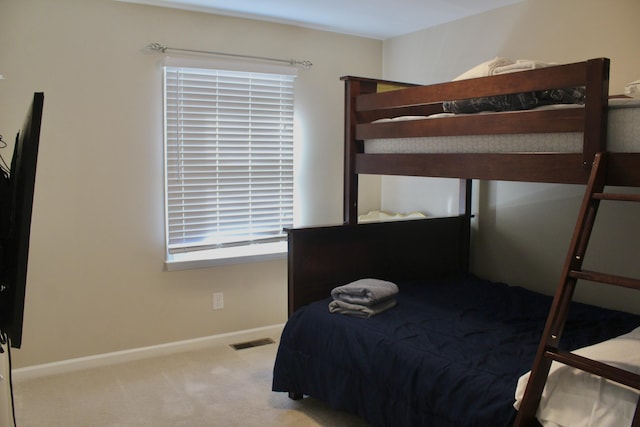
pixel 251 252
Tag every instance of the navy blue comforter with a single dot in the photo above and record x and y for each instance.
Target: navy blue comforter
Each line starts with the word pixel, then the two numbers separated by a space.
pixel 449 354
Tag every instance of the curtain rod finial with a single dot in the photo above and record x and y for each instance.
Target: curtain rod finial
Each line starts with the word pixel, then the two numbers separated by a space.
pixel 156 47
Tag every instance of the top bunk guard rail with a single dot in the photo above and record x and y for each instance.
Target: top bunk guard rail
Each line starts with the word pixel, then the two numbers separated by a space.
pixel 556 77
pixel 369 99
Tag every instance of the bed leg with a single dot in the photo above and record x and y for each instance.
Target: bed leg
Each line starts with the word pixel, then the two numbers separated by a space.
pixel 295 395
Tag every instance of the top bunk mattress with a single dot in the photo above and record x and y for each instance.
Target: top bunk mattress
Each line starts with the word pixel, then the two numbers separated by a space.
pixel 623 136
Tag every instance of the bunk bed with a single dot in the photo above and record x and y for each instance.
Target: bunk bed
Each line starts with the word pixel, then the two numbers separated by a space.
pixel 452 349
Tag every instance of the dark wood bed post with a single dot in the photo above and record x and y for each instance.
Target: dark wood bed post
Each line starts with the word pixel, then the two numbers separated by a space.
pixel 464 209
pixel 353 87
pixel 595 132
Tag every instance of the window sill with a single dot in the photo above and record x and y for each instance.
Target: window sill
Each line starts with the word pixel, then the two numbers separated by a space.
pixel 217 257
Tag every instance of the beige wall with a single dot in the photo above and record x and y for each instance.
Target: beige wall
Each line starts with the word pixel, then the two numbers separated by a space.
pixel 96 280
pixel 523 230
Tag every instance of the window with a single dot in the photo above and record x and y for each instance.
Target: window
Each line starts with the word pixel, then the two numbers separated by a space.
pixel 228 161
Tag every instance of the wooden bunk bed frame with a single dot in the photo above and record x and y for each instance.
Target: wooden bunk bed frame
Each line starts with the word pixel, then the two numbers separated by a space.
pixel 321 258
pixel 363 104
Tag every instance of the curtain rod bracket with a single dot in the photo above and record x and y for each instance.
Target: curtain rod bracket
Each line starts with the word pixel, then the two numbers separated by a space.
pixel 157 47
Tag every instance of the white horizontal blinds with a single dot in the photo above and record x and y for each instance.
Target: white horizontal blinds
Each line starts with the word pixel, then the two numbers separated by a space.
pixel 229 157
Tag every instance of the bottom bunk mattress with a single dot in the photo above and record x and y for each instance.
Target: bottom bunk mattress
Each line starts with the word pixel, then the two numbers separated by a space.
pixel 448 354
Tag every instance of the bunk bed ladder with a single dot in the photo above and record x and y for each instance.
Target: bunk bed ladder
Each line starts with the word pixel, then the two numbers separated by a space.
pixel 548 350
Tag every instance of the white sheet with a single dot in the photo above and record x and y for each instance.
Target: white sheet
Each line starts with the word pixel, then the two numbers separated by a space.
pixel 575 398
pixel 381 216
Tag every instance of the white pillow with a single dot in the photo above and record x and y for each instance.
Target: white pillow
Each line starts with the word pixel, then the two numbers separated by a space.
pixel 485 69
pixel 572 397
pixel 633 89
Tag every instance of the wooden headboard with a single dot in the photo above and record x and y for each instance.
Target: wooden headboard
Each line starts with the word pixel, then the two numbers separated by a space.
pixel 321 258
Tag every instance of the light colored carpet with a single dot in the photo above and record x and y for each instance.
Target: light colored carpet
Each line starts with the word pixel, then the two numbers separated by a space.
pixel 216 386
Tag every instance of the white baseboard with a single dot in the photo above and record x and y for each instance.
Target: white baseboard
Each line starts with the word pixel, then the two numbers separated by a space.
pixel 64 366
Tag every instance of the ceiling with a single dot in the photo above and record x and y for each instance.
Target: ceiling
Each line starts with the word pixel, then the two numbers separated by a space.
pixel 376 19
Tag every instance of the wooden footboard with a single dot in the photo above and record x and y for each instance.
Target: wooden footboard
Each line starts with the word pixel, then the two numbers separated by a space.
pixel 321 258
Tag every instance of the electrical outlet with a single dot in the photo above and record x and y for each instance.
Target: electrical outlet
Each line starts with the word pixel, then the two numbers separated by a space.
pixel 218 301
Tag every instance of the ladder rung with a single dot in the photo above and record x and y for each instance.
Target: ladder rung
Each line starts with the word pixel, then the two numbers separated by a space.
pixel 594 276
pixel 617 196
pixel 630 379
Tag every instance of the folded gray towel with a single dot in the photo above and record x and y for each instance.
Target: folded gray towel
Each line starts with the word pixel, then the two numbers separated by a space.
pixel 365 292
pixel 341 307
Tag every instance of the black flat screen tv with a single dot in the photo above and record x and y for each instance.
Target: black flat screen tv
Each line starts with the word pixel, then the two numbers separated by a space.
pixel 16 205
